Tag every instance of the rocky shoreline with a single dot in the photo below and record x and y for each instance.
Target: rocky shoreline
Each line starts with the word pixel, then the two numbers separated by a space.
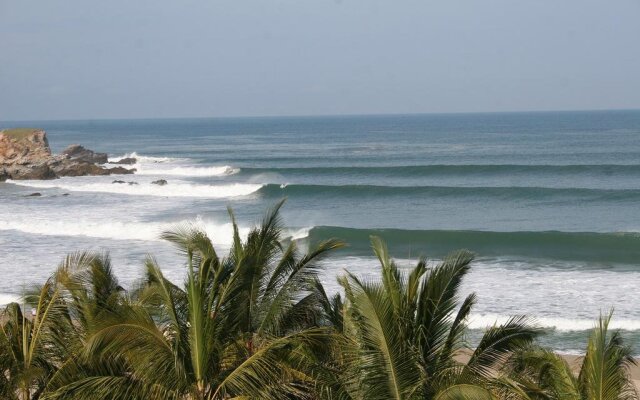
pixel 25 154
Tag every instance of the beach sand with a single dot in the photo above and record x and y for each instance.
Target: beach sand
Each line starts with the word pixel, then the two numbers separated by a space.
pixel 575 362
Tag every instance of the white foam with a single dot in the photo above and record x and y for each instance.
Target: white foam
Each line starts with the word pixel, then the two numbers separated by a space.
pixel 482 321
pixel 221 234
pixel 562 296
pixel 298 233
pixel 6 298
pixel 142 159
pixel 167 166
pixel 187 171
pixel 173 189
pixel 102 229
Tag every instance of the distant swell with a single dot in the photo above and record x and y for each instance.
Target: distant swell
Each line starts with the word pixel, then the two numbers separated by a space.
pixel 457 170
pixel 506 193
pixel 609 248
pixel 147 189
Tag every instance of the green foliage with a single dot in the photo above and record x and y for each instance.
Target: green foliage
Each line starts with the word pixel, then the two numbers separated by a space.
pixel 540 374
pixel 406 331
pixel 18 134
pixel 258 324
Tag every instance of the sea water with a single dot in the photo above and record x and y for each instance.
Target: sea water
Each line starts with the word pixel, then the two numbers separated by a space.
pixel 549 202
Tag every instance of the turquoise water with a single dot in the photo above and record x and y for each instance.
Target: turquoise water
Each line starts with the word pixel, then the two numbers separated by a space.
pixel 549 202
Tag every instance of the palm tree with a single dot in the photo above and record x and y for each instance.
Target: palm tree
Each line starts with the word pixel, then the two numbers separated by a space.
pixel 541 374
pixel 404 335
pixel 242 326
pixel 28 349
pixel 92 294
pixel 37 351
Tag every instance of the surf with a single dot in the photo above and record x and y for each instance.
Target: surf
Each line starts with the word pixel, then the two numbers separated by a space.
pixel 172 189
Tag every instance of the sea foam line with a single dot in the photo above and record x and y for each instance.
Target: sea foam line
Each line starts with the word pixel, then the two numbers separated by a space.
pixel 221 234
pixel 187 171
pixel 482 321
pixel 147 189
pixel 141 158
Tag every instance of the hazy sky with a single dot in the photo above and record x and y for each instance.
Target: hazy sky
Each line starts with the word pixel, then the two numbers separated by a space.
pixel 76 59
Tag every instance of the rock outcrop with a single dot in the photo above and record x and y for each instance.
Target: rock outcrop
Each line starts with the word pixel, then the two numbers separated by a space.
pixel 23 146
pixel 25 154
pixel 126 161
pixel 79 153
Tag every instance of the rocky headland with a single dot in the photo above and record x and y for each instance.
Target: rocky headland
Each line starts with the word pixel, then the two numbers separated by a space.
pixel 25 154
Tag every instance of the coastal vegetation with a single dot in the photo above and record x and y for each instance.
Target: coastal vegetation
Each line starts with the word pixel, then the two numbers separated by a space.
pixel 19 133
pixel 257 323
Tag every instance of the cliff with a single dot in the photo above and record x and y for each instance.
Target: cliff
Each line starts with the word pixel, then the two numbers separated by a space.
pixel 23 145
pixel 25 154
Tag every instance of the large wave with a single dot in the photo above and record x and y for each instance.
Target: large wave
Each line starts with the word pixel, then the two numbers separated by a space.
pixel 457 170
pixel 507 193
pixel 173 189
pixel 610 248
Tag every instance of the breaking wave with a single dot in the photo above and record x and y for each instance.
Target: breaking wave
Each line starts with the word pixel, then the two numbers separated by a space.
pixel 173 189
pixel 142 159
pixel 147 231
pixel 187 171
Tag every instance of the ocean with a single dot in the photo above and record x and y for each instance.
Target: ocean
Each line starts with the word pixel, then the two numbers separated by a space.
pixel 549 202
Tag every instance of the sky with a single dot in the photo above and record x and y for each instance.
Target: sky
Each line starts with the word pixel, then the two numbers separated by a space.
pixel 89 59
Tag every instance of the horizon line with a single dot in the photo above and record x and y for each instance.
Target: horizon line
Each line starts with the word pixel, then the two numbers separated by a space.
pixel 345 115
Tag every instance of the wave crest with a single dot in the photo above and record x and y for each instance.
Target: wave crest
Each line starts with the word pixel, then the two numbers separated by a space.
pixel 188 171
pixel 148 189
pixel 221 234
pixel 141 158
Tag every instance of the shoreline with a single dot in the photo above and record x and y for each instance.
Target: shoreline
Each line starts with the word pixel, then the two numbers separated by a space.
pixel 575 362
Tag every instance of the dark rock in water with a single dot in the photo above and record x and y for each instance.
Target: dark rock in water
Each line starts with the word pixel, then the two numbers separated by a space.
pixel 65 194
pixel 36 194
pixel 30 171
pixel 78 168
pixel 118 181
pixel 160 182
pixel 121 171
pixel 126 161
pixel 79 153
pixel 133 183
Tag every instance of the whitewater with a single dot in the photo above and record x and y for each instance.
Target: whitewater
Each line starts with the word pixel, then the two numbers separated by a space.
pixel 548 202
